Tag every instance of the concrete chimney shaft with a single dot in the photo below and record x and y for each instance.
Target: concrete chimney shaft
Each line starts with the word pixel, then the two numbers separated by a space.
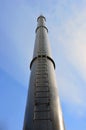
pixel 43 111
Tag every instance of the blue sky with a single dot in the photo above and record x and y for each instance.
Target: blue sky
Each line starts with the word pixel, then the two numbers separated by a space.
pixel 66 21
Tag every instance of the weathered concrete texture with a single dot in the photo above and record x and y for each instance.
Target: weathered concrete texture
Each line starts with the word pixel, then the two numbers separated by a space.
pixel 43 111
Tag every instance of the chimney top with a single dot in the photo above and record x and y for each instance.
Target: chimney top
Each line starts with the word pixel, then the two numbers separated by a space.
pixel 41 16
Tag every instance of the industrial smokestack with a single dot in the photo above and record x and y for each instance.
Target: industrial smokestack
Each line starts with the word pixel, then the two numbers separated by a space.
pixel 43 111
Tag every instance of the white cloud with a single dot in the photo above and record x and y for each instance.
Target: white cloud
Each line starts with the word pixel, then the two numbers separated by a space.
pixel 75 42
pixel 69 42
pixel 67 30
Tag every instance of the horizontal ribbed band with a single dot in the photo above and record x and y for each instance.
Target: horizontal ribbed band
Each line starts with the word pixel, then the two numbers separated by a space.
pixel 49 58
pixel 42 27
